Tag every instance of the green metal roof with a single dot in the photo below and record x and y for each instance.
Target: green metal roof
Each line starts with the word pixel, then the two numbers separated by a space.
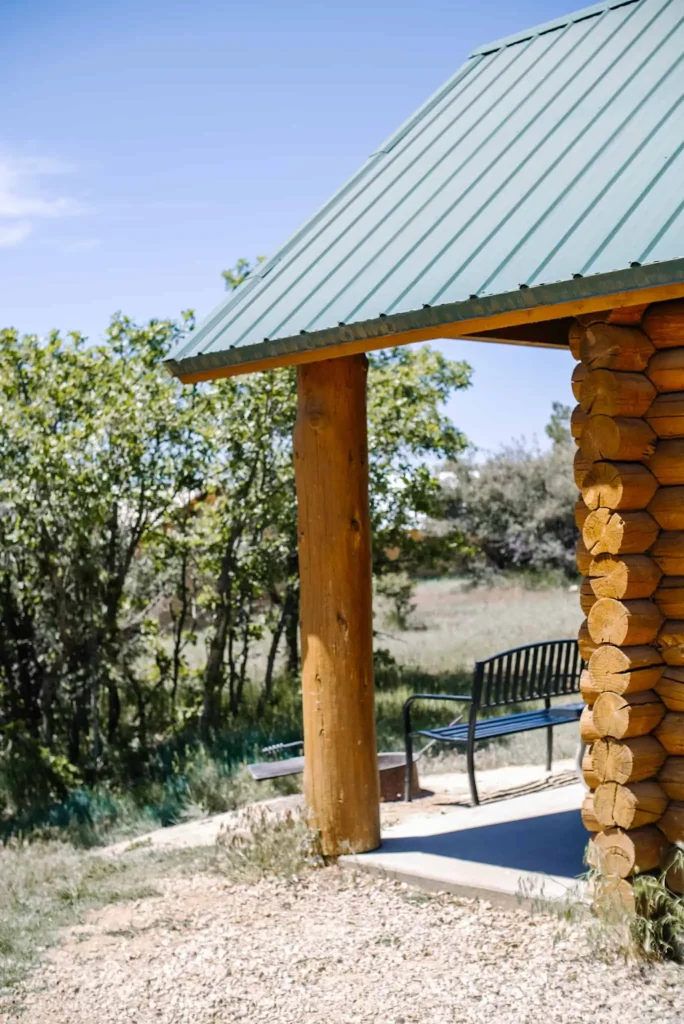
pixel 548 168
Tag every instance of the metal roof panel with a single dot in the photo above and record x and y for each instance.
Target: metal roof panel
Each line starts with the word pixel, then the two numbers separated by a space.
pixel 550 155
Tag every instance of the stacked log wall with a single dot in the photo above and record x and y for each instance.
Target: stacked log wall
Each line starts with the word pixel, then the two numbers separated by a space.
pixel 629 430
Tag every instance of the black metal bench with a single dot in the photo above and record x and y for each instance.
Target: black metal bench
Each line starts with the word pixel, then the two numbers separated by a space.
pixel 535 672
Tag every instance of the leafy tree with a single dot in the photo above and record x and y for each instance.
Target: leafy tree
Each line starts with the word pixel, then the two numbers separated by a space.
pixel 250 545
pixel 97 447
pixel 240 272
pixel 141 520
pixel 517 508
pixel 558 427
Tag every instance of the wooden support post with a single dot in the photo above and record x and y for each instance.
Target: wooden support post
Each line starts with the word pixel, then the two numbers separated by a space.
pixel 331 468
pixel 630 430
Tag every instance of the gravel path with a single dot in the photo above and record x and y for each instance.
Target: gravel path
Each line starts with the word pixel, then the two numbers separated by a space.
pixel 334 948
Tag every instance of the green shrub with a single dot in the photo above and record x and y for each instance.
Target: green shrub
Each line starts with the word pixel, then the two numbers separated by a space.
pixel 516 509
pixel 657 928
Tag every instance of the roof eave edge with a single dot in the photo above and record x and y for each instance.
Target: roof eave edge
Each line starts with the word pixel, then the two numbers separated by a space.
pixel 384 331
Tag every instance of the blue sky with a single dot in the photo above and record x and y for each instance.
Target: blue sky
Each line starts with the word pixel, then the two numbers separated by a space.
pixel 148 145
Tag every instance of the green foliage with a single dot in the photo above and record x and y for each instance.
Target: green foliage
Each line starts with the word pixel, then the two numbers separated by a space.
pixel 517 508
pixel 397 589
pixel 657 927
pixel 98 446
pixel 144 521
pixel 30 772
pixel 239 273
pixel 407 389
pixel 558 427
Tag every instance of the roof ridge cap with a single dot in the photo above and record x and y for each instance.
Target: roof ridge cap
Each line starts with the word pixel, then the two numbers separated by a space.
pixel 550 26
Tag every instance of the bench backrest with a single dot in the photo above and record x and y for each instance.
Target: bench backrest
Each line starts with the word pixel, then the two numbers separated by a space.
pixel 532 672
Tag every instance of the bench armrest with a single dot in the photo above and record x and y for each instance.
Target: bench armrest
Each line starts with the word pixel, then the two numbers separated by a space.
pixel 437 696
pixel 406 710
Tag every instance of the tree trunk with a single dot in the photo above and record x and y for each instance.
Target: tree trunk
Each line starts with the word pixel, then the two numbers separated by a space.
pixel 267 692
pixel 292 631
pixel 214 675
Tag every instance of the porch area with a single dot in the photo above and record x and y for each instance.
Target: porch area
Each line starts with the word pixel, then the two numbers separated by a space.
pixel 525 842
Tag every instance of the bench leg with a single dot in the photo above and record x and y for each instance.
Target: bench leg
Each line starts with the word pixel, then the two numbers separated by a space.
pixel 549 749
pixel 470 757
pixel 408 747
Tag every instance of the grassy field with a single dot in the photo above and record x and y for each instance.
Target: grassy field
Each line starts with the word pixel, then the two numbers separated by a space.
pixel 455 624
pixel 452 626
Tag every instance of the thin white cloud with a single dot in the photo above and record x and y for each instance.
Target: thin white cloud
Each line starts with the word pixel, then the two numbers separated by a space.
pixel 14 234
pixel 26 196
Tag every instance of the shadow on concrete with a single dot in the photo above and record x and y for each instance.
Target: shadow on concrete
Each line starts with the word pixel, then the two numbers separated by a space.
pixel 553 844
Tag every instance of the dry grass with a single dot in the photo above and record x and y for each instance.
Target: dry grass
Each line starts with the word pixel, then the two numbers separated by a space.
pixel 43 888
pixel 48 886
pixel 457 624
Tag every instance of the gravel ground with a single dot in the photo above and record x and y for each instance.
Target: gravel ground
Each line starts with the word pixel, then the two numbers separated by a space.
pixel 334 948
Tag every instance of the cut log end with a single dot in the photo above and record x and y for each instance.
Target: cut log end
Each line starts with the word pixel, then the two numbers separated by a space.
pixel 616 438
pixel 631 760
pixel 609 393
pixel 629 806
pixel 621 854
pixel 624 622
pixel 618 533
pixel 622 716
pixel 626 577
pixel 619 485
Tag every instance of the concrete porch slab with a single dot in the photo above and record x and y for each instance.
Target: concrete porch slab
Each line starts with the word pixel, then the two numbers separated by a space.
pixel 508 851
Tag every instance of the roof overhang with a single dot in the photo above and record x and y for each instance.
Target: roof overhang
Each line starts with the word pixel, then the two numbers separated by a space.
pixel 512 318
pixel 541 182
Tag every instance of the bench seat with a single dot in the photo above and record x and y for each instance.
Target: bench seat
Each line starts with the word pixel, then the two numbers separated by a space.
pixel 505 725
